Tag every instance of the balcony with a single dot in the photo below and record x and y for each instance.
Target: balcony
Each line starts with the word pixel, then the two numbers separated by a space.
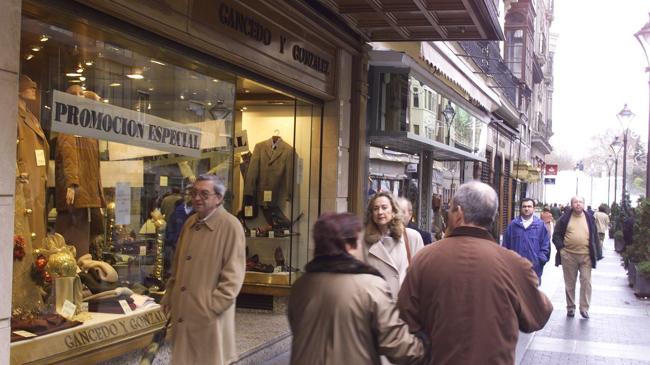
pixel 487 56
pixel 540 142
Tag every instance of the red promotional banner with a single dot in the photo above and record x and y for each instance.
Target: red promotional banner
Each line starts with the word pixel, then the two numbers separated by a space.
pixel 550 170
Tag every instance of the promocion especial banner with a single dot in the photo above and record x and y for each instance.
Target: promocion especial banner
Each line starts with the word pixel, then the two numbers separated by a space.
pixel 72 114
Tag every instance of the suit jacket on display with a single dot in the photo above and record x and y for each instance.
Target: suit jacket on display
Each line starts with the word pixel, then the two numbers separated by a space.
pixel 270 170
pixel 77 166
pixel 32 144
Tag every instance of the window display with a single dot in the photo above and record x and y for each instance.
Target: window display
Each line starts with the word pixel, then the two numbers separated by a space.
pixel 112 133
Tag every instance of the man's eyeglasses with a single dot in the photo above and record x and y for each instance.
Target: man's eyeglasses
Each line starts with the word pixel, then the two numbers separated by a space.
pixel 201 194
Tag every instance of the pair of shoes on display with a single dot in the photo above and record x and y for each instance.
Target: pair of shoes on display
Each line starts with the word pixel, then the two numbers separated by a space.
pixel 571 313
pixel 253 264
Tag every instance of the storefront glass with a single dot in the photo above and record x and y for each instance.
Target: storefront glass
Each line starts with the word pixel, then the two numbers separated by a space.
pixel 112 132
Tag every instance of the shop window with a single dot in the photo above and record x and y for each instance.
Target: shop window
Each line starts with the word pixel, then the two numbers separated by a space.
pixel 113 131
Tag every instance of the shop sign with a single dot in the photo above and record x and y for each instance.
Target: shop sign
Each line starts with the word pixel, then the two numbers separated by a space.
pixel 76 115
pixel 549 181
pixel 550 170
pixel 241 22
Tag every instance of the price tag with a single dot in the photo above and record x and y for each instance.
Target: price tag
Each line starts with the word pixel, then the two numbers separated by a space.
pixel 248 211
pixel 125 306
pixel 271 234
pixel 143 250
pixel 83 307
pixel 68 309
pixel 287 232
pixel 253 233
pixel 268 195
pixel 24 334
pixel 163 180
pixel 40 157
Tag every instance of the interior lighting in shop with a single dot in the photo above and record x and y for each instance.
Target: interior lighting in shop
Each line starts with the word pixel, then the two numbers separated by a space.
pixel 44 38
pixel 88 63
pixel 247 91
pixel 135 76
pixel 75 80
pixel 115 84
pixel 105 100
pixel 36 48
pixel 182 97
pixel 82 78
pixel 243 109
pixel 158 62
pixel 80 69
pixel 29 56
pixel 215 80
pixel 73 74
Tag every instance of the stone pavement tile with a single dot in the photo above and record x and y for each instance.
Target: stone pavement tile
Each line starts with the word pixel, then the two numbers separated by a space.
pixel 534 357
pixel 589 348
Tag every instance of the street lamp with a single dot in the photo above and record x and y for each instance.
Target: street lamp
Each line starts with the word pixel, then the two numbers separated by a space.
pixel 625 116
pixel 616 149
pixel 609 162
pixel 449 113
pixel 643 36
pixel 579 167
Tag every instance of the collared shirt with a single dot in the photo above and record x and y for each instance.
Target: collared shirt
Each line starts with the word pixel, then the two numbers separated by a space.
pixel 527 222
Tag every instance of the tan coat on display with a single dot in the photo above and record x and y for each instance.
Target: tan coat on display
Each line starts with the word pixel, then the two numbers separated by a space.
pixel 270 170
pixel 207 274
pixel 32 156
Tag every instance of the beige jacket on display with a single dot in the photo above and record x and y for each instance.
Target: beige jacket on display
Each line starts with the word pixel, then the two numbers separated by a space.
pixel 32 156
pixel 347 318
pixel 394 272
pixel 207 274
pixel 270 170
pixel 77 166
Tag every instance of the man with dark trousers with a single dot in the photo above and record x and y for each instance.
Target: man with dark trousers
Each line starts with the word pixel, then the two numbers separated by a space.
pixel 576 240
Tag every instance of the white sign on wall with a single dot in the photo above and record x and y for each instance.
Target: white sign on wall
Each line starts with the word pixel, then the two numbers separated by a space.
pixel 122 203
pixel 72 114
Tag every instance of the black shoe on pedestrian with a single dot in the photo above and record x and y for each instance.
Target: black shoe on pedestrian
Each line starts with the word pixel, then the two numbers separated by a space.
pixel 571 313
pixel 584 314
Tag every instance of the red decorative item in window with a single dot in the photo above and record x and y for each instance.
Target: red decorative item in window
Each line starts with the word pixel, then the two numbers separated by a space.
pixel 19 247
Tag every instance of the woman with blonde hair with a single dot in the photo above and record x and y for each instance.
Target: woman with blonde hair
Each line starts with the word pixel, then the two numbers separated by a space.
pixel 390 244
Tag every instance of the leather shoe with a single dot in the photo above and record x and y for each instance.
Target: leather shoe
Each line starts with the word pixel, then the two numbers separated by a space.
pixel 584 314
pixel 570 313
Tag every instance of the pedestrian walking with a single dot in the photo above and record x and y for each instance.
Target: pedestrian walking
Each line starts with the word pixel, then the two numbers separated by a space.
pixel 207 274
pixel 576 240
pixel 528 236
pixel 556 212
pixel 341 310
pixel 602 224
pixel 470 295
pixel 391 246
pixel 407 211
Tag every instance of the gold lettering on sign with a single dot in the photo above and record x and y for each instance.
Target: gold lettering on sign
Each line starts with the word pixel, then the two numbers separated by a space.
pixel 116 328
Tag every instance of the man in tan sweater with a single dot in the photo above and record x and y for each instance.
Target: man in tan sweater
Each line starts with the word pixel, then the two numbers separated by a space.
pixel 576 240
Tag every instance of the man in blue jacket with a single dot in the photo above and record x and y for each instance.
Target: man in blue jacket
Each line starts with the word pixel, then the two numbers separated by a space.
pixel 528 236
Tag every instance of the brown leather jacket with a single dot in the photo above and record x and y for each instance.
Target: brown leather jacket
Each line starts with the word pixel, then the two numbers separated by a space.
pixel 77 166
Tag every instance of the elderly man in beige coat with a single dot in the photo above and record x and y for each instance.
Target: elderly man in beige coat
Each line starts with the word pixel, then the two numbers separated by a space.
pixel 207 274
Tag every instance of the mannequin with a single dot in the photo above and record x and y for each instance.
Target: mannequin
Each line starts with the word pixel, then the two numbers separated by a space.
pixel 79 193
pixel 32 157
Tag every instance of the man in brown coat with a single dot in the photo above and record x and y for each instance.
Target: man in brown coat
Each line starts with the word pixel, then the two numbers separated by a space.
pixel 207 274
pixel 469 294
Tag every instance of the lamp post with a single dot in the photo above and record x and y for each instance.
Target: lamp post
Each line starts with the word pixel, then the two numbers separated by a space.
pixel 449 113
pixel 579 167
pixel 625 116
pixel 643 36
pixel 616 149
pixel 609 162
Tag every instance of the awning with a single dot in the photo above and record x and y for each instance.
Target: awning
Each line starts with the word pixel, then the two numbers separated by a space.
pixel 419 20
pixel 413 143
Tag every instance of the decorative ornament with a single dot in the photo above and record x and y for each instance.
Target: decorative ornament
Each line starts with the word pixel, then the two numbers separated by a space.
pixel 19 247
pixel 40 262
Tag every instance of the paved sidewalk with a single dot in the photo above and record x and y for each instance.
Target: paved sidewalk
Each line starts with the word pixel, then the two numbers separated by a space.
pixel 618 332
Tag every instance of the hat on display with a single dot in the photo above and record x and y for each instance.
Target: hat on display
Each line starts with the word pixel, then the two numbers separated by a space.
pixel 24 83
pixel 101 269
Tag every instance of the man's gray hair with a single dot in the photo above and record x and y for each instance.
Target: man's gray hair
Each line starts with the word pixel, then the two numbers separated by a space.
pixel 219 186
pixel 578 198
pixel 402 200
pixel 479 203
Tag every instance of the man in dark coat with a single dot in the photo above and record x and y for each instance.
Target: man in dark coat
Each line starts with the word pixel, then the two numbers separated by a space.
pixel 576 240
pixel 407 209
pixel 470 295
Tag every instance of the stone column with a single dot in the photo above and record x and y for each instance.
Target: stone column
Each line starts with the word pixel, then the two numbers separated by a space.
pixel 9 68
pixel 358 137
pixel 336 141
